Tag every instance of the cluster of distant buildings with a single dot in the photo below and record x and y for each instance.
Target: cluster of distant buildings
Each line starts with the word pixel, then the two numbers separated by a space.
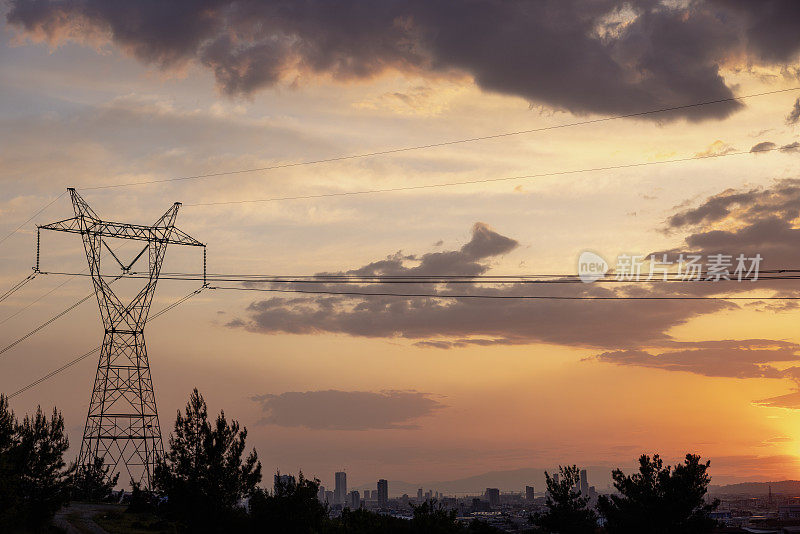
pixel 506 510
pixel 510 511
pixel 759 513
pixel 341 498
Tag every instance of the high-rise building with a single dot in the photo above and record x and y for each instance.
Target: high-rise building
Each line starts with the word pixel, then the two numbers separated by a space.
pixel 340 491
pixel 493 496
pixel 419 495
pixel 584 484
pixel 383 493
pixel 354 500
pixel 321 494
pixel 328 496
pixel 529 494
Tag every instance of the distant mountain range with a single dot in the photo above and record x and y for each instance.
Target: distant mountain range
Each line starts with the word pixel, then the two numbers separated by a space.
pixel 758 488
pixel 515 480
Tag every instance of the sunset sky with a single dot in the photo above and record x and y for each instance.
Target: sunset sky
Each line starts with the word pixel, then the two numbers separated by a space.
pixel 97 93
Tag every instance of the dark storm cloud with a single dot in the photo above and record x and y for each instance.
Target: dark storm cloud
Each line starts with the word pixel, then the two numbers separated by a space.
pixel 602 56
pixel 794 115
pixel 347 410
pixel 452 323
pixel 770 27
pixel 763 146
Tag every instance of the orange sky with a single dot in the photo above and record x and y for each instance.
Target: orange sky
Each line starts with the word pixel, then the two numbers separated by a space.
pixel 89 112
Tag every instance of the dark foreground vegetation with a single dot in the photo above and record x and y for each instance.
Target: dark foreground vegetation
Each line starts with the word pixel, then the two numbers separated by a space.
pixel 208 483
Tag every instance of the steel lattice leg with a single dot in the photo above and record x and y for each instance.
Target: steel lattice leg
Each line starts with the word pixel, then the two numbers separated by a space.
pixel 122 424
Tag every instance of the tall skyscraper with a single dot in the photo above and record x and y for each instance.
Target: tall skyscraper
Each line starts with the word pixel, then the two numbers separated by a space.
pixel 340 491
pixel 584 484
pixel 419 495
pixel 493 496
pixel 529 494
pixel 321 494
pixel 383 493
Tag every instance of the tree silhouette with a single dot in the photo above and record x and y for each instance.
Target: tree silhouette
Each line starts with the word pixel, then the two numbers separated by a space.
pixel 432 517
pixel 8 471
pixel 34 479
pixel 292 507
pixel 567 510
pixel 660 499
pixel 428 518
pixel 92 483
pixel 203 475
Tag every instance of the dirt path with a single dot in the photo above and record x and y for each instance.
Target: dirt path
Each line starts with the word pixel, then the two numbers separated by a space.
pixel 77 517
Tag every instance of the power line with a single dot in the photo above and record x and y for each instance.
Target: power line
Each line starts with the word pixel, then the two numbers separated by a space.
pixel 40 297
pixel 445 143
pixel 486 180
pixel 404 295
pixel 96 349
pixel 51 320
pixel 54 373
pixel 16 287
pixel 701 276
pixel 399 150
pixel 44 324
pixel 328 276
pixel 479 296
pixel 29 219
pixel 37 299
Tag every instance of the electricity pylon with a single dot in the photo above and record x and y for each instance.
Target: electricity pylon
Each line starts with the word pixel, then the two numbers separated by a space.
pixel 122 424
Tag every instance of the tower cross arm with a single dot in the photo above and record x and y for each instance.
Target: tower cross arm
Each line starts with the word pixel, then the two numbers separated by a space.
pixel 138 232
pixel 67 225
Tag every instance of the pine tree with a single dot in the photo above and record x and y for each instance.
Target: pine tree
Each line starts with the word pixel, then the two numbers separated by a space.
pixel 34 479
pixel 92 482
pixel 203 475
pixel 659 499
pixel 567 510
pixel 293 508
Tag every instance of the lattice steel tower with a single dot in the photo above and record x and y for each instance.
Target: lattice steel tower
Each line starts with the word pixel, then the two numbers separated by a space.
pixel 122 424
